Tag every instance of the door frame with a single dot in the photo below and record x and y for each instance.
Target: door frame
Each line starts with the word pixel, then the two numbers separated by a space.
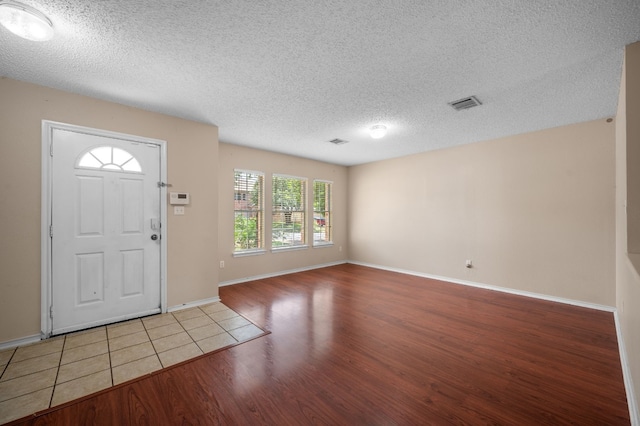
pixel 46 288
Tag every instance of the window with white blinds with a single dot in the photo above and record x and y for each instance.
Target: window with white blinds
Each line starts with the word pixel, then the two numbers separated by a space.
pixel 322 229
pixel 289 210
pixel 249 211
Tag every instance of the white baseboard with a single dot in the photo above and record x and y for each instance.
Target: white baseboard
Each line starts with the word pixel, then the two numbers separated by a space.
pixel 492 287
pixel 20 342
pixel 626 373
pixel 193 304
pixel 277 274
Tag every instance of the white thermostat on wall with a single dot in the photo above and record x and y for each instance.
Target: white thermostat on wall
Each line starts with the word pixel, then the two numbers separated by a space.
pixel 179 198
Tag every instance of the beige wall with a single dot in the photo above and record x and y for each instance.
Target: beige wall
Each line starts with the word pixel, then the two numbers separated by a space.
pixel 633 148
pixel 236 157
pixel 534 212
pixel 627 277
pixel 192 166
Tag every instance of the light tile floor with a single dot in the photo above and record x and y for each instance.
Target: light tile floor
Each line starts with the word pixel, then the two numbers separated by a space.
pixel 60 369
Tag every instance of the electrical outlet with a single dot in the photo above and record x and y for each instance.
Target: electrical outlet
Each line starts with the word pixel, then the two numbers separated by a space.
pixel 178 210
pixel 469 264
pixel 222 264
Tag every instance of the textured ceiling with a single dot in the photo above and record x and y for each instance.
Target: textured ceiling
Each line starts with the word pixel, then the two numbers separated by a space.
pixel 288 75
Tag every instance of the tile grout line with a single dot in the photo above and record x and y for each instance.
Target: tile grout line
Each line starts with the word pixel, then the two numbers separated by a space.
pixel 216 323
pixel 111 367
pixel 6 367
pixel 186 331
pixel 191 337
pixel 9 362
pixel 55 381
pixel 146 330
pixel 55 386
pixel 106 332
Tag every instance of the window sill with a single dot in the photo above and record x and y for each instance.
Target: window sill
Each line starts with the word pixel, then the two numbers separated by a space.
pixel 323 245
pixel 290 248
pixel 249 253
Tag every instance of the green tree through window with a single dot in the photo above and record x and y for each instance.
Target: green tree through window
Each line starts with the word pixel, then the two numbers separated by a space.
pixel 288 208
pixel 249 210
pixel 322 220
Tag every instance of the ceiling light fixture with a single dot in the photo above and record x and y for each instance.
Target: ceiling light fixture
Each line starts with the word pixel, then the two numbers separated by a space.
pixel 25 21
pixel 378 131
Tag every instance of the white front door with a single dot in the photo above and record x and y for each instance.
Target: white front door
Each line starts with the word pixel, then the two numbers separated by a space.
pixel 105 229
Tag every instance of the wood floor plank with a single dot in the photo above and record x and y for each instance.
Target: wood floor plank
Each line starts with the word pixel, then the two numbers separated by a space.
pixel 352 345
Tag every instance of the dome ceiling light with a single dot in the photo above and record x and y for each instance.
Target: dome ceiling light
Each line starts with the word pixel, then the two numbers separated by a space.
pixel 378 131
pixel 25 21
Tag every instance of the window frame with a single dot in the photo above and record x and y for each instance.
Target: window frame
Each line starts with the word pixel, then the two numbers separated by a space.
pixel 327 213
pixel 115 165
pixel 260 213
pixel 304 183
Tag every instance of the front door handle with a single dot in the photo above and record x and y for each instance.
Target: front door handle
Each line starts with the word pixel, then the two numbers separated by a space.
pixel 154 237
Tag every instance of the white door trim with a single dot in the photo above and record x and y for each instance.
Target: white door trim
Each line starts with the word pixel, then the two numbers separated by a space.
pixel 46 214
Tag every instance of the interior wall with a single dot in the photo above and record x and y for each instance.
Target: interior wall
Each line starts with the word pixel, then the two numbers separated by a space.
pixel 533 212
pixel 627 277
pixel 633 151
pixel 236 157
pixel 192 166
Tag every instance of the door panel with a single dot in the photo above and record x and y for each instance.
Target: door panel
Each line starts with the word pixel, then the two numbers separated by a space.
pixel 133 272
pixel 132 209
pixel 105 266
pixel 89 200
pixel 89 277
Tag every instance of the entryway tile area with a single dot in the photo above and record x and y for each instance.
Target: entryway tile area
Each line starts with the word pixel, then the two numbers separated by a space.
pixel 63 368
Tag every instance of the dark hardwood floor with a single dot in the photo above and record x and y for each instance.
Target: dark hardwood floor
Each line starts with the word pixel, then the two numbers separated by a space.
pixel 352 345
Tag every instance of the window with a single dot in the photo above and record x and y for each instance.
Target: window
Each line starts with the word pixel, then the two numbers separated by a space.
pixel 249 210
pixel 289 206
pixel 322 229
pixel 109 158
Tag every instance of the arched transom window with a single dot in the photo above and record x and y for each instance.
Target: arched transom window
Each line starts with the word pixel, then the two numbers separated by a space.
pixel 109 158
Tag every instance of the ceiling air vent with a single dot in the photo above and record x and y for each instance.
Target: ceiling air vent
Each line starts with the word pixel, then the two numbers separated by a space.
pixel 337 141
pixel 465 103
